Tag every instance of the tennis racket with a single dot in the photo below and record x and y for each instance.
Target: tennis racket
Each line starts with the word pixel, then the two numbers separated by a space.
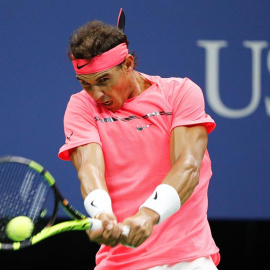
pixel 121 20
pixel 27 189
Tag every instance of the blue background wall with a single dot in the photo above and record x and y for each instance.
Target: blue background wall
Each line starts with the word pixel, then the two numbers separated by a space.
pixel 171 38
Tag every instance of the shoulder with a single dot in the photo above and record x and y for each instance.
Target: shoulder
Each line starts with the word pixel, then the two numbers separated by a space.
pixel 81 101
pixel 172 83
pixel 177 84
pixel 79 98
pixel 177 88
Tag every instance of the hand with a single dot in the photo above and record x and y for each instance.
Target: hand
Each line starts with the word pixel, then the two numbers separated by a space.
pixel 109 234
pixel 141 227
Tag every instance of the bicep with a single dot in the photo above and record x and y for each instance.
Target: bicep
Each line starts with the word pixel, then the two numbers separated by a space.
pixel 188 142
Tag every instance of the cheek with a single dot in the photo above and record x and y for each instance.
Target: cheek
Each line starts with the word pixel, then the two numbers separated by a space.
pixel 123 84
pixel 119 88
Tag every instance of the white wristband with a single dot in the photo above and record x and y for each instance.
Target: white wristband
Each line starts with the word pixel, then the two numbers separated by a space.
pixel 98 201
pixel 165 201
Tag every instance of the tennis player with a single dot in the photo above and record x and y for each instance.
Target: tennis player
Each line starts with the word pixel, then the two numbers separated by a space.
pixel 139 145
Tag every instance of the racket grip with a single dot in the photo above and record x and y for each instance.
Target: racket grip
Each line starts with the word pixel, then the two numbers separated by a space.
pixel 126 230
pixel 97 224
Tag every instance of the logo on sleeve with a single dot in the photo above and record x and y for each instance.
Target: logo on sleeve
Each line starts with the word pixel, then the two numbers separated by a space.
pixel 68 137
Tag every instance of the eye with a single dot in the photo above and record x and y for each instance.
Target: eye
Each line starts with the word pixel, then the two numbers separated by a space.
pixel 102 81
pixel 85 84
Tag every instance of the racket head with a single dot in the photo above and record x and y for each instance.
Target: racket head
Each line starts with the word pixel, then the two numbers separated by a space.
pixel 27 189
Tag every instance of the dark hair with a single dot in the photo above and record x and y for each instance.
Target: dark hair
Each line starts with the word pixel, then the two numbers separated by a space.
pixel 95 38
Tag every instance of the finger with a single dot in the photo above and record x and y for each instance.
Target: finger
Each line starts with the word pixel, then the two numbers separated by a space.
pixel 135 239
pixel 140 241
pixel 127 240
pixel 124 238
pixel 95 236
pixel 112 234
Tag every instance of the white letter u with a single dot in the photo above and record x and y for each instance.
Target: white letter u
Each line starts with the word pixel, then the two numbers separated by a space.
pixel 212 77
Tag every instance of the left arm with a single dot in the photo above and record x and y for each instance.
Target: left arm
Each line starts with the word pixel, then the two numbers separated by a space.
pixel 187 148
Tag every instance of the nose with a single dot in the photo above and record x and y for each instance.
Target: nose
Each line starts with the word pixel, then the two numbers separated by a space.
pixel 97 93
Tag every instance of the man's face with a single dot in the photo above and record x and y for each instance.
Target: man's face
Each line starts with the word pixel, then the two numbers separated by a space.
pixel 109 88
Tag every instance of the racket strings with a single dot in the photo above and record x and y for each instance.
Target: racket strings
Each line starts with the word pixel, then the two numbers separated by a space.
pixel 23 192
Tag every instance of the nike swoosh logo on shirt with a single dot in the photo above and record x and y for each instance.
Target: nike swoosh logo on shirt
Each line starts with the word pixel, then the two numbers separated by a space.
pixel 143 127
pixel 155 198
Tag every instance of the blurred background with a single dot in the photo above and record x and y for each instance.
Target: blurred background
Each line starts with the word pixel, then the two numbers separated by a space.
pixel 223 46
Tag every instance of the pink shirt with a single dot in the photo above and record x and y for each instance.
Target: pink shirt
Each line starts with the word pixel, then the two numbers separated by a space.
pixel 135 142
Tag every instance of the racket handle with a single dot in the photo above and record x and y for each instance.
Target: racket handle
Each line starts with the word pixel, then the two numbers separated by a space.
pixel 97 224
pixel 126 230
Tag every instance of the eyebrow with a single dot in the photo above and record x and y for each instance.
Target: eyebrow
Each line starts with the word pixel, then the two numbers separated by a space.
pixel 98 78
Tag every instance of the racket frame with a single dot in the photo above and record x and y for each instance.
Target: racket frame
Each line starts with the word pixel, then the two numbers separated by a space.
pixel 79 221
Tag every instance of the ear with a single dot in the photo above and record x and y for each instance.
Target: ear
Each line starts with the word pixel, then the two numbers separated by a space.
pixel 129 63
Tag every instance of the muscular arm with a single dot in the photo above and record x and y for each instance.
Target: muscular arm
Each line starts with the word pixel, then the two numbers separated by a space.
pixel 187 148
pixel 89 163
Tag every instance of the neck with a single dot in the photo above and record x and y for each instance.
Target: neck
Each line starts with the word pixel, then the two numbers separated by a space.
pixel 141 83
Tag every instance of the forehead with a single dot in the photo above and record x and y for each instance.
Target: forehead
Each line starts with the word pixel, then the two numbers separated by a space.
pixel 95 76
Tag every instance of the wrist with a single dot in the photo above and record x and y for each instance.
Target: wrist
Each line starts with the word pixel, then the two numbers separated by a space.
pixel 164 201
pixel 150 214
pixel 96 202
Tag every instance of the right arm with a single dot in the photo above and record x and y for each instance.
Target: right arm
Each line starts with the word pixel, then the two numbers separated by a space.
pixel 89 163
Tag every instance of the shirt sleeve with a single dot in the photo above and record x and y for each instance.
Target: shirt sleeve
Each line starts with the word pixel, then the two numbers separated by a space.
pixel 79 126
pixel 188 106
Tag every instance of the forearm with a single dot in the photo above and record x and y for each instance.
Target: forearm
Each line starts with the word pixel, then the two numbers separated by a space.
pixel 90 179
pixel 184 176
pixel 166 200
pixel 187 150
pixel 88 161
